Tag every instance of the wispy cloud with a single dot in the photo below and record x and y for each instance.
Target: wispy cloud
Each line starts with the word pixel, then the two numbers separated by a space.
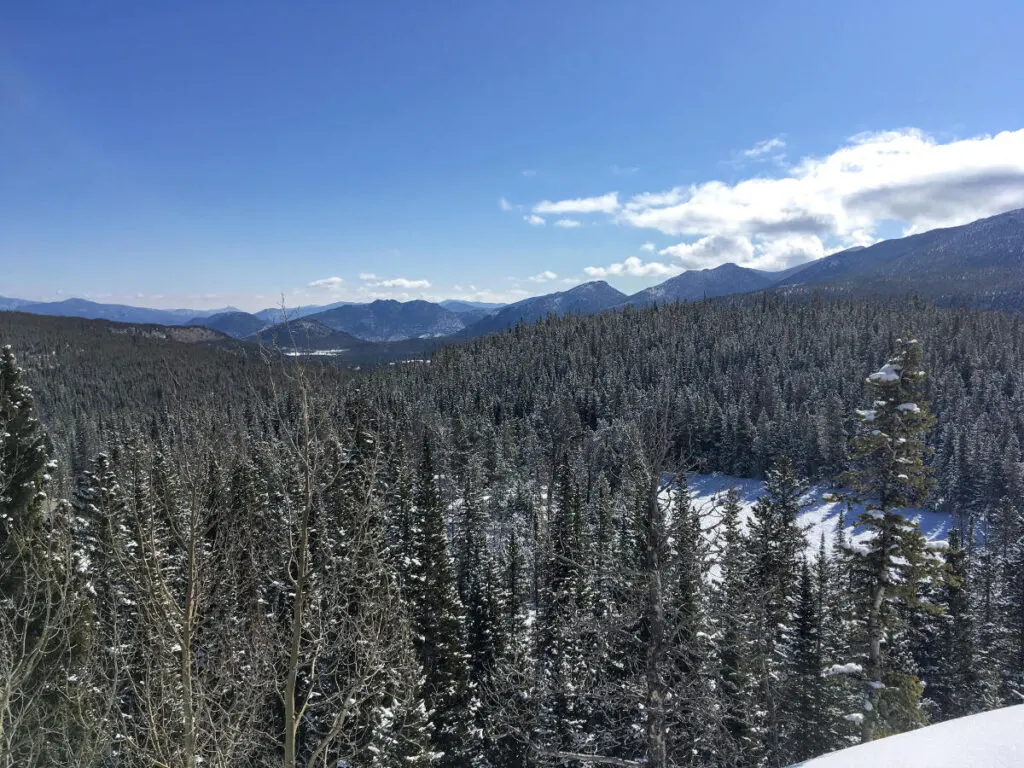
pixel 367 276
pixel 648 247
pixel 608 203
pixel 528 172
pixel 402 282
pixel 568 223
pixel 765 147
pixel 543 277
pixel 504 204
pixel 534 220
pixel 628 170
pixel 327 283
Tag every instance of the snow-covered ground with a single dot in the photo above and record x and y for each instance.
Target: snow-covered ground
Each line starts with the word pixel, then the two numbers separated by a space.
pixel 989 740
pixel 819 516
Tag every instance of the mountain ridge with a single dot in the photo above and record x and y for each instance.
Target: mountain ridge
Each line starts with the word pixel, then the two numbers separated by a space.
pixel 391 320
pixel 980 263
pixel 586 298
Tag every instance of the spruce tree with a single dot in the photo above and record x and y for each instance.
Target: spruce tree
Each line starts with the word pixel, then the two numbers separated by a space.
pixel 37 606
pixel 775 542
pixel 690 723
pixel 890 472
pixel 734 640
pixel 437 621
pixel 561 646
pixel 955 685
pixel 804 707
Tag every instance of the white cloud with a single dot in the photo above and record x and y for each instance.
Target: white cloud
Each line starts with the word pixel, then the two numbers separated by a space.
pixel 327 283
pixel 567 223
pixel 367 276
pixel 647 247
pixel 710 251
pixel 543 277
pixel 826 203
pixel 764 147
pixel 534 220
pixel 774 253
pixel 504 204
pixel 602 204
pixel 528 172
pixel 472 293
pixel 633 267
pixel 402 282
pixel 656 199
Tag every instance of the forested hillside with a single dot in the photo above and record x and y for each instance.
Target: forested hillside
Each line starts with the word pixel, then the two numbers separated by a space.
pixel 491 559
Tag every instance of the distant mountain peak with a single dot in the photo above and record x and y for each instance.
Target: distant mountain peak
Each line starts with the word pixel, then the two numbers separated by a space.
pixel 584 299
pixel 696 284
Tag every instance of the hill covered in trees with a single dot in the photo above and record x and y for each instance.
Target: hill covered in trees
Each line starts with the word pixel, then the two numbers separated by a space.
pixel 491 559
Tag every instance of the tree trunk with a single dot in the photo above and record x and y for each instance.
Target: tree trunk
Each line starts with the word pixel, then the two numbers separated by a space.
pixel 655 705
pixel 874 671
pixel 292 709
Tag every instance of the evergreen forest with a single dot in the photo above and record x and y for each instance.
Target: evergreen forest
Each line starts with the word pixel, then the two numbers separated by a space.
pixel 216 556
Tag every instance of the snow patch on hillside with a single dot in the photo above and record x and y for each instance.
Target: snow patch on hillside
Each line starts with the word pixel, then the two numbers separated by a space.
pixel 989 740
pixel 818 517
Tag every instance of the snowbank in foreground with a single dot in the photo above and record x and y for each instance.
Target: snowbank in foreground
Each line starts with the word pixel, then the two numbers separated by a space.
pixel 989 740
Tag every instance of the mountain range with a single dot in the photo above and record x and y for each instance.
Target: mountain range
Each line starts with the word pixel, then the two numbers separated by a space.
pixel 122 313
pixel 980 263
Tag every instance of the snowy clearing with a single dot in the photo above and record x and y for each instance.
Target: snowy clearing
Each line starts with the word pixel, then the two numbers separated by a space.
pixel 989 740
pixel 315 352
pixel 819 516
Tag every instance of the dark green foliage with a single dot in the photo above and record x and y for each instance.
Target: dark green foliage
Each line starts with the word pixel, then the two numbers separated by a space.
pixel 437 620
pixel 894 569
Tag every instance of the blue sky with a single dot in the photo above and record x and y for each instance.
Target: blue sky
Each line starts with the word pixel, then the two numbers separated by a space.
pixel 216 152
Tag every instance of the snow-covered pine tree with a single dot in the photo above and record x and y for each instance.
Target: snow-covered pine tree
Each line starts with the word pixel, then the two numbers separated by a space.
pixel 564 674
pixel 38 609
pixel 107 556
pixel 691 720
pixel 733 603
pixel 776 542
pixel 437 621
pixel 838 693
pixel 803 708
pixel 1012 609
pixel 890 472
pixel 955 684
pixel 479 588
pixel 508 698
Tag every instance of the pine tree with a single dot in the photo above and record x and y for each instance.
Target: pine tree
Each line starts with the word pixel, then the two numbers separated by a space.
pixel 437 620
pixel 480 588
pixel 804 706
pixel 690 694
pixel 955 684
pixel 889 469
pixel 107 554
pixel 1013 613
pixel 775 542
pixel 37 607
pixel 561 647
pixel 734 635
pixel 837 624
